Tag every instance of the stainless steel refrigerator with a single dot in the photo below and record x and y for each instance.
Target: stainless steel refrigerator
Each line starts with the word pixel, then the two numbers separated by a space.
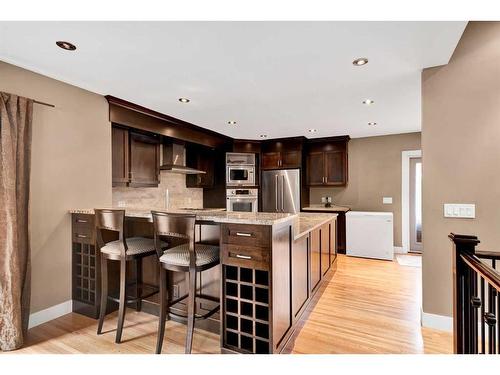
pixel 281 191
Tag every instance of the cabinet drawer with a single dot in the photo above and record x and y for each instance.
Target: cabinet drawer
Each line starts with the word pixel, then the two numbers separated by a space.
pixel 246 256
pixel 83 234
pixel 83 220
pixel 242 234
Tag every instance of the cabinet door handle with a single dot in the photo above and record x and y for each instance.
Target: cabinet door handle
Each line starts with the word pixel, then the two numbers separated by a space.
pixel 240 256
pixel 81 221
pixel 241 234
pixel 81 235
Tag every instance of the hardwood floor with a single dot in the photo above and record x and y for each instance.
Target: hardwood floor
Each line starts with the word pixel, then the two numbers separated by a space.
pixel 369 306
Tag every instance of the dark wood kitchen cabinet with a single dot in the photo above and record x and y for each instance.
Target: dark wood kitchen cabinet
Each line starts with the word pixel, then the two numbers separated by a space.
pixel 281 154
pixel 120 153
pixel 135 158
pixel 327 162
pixel 325 248
pixel 315 260
pixel 300 272
pixel 203 159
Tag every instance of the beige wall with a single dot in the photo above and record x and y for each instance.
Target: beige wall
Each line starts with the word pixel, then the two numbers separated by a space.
pixel 461 155
pixel 71 168
pixel 374 173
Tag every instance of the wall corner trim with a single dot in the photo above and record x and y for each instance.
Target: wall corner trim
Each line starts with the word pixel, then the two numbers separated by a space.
pixel 434 321
pixel 50 313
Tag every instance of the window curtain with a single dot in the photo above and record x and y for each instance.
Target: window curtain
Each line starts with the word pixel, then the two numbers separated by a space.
pixel 16 114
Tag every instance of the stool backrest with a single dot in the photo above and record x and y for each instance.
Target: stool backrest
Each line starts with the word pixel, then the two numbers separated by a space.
pixel 174 226
pixel 113 220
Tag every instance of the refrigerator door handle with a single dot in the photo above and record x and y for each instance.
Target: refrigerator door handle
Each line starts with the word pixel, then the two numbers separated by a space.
pixel 276 190
pixel 282 193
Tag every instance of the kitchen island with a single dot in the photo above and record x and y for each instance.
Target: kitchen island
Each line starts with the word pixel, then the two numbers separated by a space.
pixel 271 266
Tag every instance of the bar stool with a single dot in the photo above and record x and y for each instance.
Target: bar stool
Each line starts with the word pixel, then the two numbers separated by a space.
pixel 189 257
pixel 122 250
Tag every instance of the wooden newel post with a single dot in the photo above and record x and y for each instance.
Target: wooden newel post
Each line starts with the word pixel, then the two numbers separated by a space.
pixel 461 292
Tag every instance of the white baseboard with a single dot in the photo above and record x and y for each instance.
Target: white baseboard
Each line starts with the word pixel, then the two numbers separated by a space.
pixel 50 313
pixel 440 322
pixel 399 250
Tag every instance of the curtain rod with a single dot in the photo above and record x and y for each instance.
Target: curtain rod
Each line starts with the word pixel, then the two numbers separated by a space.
pixel 43 103
pixel 37 101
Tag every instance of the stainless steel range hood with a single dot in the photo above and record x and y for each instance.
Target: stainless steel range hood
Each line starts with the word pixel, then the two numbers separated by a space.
pixel 174 160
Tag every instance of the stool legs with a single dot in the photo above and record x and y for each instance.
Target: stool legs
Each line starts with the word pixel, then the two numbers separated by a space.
pixel 123 298
pixel 163 309
pixel 138 282
pixel 104 293
pixel 191 310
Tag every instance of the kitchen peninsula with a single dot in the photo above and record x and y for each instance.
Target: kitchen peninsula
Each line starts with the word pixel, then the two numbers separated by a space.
pixel 271 266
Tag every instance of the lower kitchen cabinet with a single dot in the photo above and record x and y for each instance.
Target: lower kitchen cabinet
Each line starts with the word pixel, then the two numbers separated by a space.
pixel 300 272
pixel 325 248
pixel 315 260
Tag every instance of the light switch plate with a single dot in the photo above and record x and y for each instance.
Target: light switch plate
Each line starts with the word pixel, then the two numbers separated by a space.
pixel 467 211
pixel 121 204
pixel 387 200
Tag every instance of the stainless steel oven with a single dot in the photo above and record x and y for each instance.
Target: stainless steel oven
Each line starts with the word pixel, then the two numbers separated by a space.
pixel 242 200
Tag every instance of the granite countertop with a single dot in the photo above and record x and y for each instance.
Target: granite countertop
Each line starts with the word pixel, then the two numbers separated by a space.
pixel 321 207
pixel 215 215
pixel 307 222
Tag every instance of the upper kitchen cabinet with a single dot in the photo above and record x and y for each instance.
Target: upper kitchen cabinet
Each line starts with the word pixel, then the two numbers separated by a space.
pixel 281 154
pixel 136 158
pixel 327 162
pixel 202 159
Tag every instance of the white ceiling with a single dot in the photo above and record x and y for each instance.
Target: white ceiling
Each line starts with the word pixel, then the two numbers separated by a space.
pixel 274 78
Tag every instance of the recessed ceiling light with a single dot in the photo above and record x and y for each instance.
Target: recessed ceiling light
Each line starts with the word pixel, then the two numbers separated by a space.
pixel 372 123
pixel 66 45
pixel 368 101
pixel 312 130
pixel 184 100
pixel 263 135
pixel 231 122
pixel 360 61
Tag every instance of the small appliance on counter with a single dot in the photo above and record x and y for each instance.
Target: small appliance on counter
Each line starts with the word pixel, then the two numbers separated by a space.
pixel 240 169
pixel 242 200
pixel 370 235
pixel 327 201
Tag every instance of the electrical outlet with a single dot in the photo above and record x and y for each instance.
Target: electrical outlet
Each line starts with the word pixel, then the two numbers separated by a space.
pixel 176 291
pixel 121 203
pixel 387 200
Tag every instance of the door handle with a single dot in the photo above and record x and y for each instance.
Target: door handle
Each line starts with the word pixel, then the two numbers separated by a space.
pixel 276 190
pixel 243 234
pixel 241 256
pixel 282 194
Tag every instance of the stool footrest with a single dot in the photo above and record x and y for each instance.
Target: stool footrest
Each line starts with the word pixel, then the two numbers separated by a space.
pixel 197 316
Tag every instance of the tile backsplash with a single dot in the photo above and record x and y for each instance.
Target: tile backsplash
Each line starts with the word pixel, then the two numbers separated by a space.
pixel 179 195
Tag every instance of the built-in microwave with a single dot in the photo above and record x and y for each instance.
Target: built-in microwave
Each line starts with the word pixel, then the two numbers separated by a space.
pixel 242 175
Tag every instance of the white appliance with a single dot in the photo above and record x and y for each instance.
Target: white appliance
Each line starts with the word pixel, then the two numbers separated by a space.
pixel 240 169
pixel 370 234
pixel 242 200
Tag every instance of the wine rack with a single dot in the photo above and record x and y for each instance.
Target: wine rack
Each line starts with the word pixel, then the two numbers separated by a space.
pixel 84 273
pixel 246 310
